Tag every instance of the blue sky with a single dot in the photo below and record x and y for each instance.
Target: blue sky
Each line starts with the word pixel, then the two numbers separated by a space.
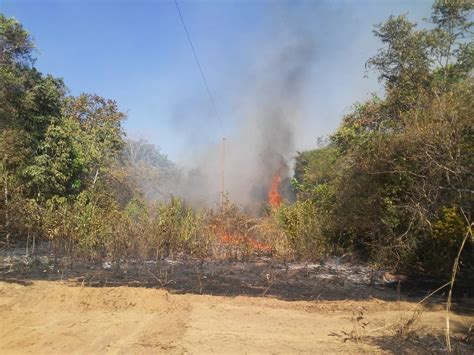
pixel 136 52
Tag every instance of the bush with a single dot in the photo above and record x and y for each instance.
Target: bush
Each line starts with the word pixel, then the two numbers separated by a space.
pixel 440 248
pixel 302 228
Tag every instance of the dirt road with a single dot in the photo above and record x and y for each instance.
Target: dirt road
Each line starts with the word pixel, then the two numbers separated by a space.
pixel 54 317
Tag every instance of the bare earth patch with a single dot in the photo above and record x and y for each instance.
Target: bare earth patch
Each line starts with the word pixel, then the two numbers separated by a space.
pixel 211 306
pixel 60 317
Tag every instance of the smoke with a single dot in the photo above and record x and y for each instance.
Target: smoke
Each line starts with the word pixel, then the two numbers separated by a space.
pixel 262 144
pixel 266 139
pixel 269 105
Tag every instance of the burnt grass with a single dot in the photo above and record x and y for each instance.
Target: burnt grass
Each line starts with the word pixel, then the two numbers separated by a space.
pixel 259 276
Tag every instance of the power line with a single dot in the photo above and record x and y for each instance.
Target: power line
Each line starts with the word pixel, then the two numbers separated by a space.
pixel 199 65
pixel 211 98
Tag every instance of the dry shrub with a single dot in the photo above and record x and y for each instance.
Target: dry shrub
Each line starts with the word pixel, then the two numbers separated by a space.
pixel 233 230
pixel 406 327
pixel 166 229
pixel 92 226
pixel 294 232
pixel 273 234
pixel 358 332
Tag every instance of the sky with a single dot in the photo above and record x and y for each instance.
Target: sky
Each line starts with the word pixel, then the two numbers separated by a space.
pixel 136 53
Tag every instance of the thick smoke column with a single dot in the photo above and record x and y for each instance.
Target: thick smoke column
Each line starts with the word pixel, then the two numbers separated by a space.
pixel 270 103
pixel 276 111
pixel 263 144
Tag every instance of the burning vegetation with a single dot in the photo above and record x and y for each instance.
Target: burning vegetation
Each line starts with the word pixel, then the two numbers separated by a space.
pixel 393 185
pixel 274 197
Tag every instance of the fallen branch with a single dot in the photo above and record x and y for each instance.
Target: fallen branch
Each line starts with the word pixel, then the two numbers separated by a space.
pixel 163 284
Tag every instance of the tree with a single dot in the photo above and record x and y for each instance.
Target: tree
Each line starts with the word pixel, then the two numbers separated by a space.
pixel 100 134
pixel 403 162
pixel 52 147
pixel 150 170
pixel 16 45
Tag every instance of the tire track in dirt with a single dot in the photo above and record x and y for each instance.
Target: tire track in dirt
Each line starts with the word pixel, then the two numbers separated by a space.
pixel 230 326
pixel 57 318
pixel 89 320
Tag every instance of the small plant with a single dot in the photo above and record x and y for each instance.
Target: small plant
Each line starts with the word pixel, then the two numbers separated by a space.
pixel 358 331
pixel 406 327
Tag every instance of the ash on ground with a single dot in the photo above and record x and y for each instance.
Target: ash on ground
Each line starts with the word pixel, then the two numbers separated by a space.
pixel 331 279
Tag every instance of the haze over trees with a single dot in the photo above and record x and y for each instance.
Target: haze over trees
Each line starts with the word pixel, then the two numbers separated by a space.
pixel 393 185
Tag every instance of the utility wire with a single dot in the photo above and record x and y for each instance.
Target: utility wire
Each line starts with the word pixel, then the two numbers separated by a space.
pixel 199 65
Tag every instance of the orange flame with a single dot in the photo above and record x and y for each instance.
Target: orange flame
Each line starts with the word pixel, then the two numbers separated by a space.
pixel 274 197
pixel 240 240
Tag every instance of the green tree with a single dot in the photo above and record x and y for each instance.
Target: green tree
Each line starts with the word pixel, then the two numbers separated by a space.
pixel 100 135
pixel 403 160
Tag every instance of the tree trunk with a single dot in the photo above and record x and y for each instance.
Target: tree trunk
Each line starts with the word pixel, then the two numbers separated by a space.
pixel 27 252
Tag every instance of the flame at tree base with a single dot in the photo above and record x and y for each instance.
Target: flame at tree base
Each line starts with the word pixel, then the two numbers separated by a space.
pixel 274 197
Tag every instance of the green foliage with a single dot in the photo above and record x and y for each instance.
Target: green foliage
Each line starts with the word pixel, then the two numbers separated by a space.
pixel 440 249
pixel 397 162
pixel 15 43
pixel 303 231
pixel 54 167
pixel 394 184
pixel 52 148
pixel 314 168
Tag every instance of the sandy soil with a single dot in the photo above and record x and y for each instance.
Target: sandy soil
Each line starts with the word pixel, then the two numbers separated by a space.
pixel 61 317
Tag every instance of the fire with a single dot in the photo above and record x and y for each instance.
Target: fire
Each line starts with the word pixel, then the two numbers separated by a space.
pixel 242 241
pixel 274 197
